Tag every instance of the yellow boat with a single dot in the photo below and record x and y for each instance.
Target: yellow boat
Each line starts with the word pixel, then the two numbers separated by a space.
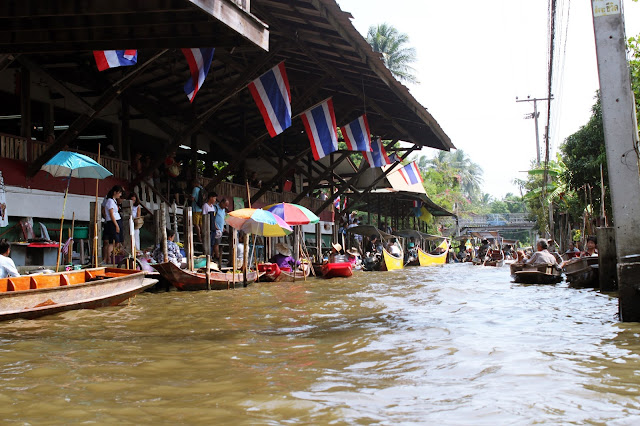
pixel 427 259
pixel 392 262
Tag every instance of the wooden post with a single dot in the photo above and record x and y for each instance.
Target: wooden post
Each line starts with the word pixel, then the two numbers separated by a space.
pixel 607 259
pixel 70 248
pixel 126 226
pixel 163 231
pixel 157 222
pixel 174 222
pixel 245 260
pixel 208 272
pixel 234 237
pixel 189 238
pixel 206 233
pixel 95 227
pixel 318 242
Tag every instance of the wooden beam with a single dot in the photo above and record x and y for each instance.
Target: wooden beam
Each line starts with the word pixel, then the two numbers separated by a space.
pixel 57 86
pixel 85 119
pixel 341 188
pixel 6 60
pixel 317 180
pixel 266 186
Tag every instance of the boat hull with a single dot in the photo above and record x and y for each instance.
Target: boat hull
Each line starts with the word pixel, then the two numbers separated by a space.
pixel 540 274
pixel 583 272
pixel 391 262
pixel 427 259
pixel 117 286
pixel 273 273
pixel 341 269
pixel 195 281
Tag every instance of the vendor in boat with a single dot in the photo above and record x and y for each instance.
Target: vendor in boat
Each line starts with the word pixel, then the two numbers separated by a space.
pixel 541 256
pixel 283 258
pixel 592 247
pixel 173 251
pixel 572 251
pixel 374 247
pixel 393 248
pixel 482 250
pixel 337 255
pixel 7 266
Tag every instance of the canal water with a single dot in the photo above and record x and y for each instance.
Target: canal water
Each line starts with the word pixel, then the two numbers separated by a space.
pixel 456 345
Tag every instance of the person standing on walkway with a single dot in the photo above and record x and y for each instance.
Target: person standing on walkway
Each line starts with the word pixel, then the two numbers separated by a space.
pixel 218 227
pixel 197 195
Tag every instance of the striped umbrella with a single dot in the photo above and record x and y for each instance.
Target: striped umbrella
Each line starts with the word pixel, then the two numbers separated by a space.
pixel 259 222
pixel 293 214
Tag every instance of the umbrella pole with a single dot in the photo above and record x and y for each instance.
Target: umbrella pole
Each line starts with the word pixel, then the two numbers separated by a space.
pixel 64 205
pixel 255 256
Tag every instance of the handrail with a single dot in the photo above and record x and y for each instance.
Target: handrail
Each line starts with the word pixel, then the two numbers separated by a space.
pixel 24 149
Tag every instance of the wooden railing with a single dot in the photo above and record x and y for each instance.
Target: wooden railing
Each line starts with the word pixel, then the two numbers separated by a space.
pixel 23 149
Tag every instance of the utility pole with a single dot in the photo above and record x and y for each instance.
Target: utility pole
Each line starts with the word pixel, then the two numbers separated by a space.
pixel 535 116
pixel 621 144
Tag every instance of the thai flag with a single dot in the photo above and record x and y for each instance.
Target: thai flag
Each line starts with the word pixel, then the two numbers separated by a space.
pixel 199 61
pixel 106 59
pixel 411 174
pixel 356 134
pixel 378 156
pixel 394 158
pixel 417 204
pixel 336 203
pixel 320 124
pixel 271 93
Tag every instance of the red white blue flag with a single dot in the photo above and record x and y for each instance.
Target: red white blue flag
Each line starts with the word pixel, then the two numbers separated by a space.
pixel 336 203
pixel 411 173
pixel 199 61
pixel 356 134
pixel 320 124
pixel 417 204
pixel 394 158
pixel 106 59
pixel 271 93
pixel 377 157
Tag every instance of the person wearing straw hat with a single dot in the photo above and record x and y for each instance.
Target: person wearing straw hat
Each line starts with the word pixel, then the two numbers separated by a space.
pixel 336 255
pixel 283 258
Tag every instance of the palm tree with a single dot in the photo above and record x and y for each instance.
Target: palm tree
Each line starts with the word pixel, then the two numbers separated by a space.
pixel 386 39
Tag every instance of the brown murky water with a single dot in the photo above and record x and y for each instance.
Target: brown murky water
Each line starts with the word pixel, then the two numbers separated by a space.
pixel 452 345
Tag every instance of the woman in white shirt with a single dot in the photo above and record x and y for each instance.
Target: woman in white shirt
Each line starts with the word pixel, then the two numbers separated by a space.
pixel 7 266
pixel 113 222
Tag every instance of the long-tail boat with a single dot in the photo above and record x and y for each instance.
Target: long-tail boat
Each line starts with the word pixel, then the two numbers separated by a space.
pixel 273 273
pixel 193 281
pixel 539 274
pixel 583 272
pixel 428 259
pixel 33 296
pixel 376 261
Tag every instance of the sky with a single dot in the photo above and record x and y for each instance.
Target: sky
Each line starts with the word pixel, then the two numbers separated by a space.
pixel 475 58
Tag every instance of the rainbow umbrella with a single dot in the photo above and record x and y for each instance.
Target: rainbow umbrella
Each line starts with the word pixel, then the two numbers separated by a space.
pixel 293 214
pixel 259 222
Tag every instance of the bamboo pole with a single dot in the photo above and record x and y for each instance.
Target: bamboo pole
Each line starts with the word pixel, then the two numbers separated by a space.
pixel 95 219
pixel 64 205
pixel 245 258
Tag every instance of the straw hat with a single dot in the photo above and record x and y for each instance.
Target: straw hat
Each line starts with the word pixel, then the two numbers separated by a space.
pixel 353 251
pixel 337 247
pixel 283 249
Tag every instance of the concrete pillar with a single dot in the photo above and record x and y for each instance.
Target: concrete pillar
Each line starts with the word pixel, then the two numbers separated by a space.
pixel 620 134
pixel 607 259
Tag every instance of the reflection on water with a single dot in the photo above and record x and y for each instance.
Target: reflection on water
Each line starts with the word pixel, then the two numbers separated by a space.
pixel 449 345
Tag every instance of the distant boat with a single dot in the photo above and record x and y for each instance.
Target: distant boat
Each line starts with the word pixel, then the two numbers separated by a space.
pixel 376 261
pixel 193 281
pixel 33 296
pixel 428 259
pixel 337 269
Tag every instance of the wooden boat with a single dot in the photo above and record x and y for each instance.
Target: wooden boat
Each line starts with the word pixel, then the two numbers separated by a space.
pixel 273 273
pixel 192 281
pixel 427 259
pixel 338 269
pixel 495 258
pixel 33 296
pixel 540 274
pixel 583 272
pixel 391 262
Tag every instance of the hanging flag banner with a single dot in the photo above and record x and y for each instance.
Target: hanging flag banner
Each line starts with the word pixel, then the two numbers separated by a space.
pixel 106 59
pixel 356 134
pixel 271 93
pixel 336 203
pixel 199 61
pixel 393 157
pixel 411 173
pixel 377 157
pixel 320 124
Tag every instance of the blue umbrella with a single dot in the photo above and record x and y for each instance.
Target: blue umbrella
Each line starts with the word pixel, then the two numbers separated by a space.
pixel 71 164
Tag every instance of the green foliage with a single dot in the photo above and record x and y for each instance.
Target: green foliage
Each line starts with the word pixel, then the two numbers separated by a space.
pixel 386 39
